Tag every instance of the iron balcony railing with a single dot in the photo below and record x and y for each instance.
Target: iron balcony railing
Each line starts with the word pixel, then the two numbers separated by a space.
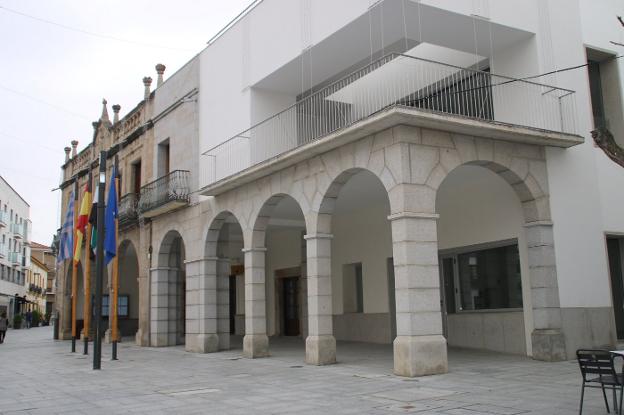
pixel 174 187
pixel 128 213
pixel 394 80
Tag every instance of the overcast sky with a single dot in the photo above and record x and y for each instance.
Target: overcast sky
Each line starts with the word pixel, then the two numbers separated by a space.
pixel 52 80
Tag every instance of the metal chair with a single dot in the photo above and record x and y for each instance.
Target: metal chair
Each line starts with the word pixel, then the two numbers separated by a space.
pixel 598 370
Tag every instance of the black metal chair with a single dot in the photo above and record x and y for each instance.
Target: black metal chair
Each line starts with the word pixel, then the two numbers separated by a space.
pixel 598 370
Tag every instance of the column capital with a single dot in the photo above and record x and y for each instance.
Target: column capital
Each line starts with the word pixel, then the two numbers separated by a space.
pixel 538 223
pixel 261 249
pixel 318 236
pixel 191 261
pixel 413 215
pixel 216 258
pixel 163 269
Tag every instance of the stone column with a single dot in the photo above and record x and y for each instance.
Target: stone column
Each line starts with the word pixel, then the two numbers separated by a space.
pixel 159 306
pixel 255 342
pixel 420 347
pixel 142 334
pixel 201 306
pixel 223 303
pixel 547 339
pixel 320 343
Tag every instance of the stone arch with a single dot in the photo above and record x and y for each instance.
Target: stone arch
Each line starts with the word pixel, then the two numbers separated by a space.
pixel 522 166
pixel 214 229
pixel 170 244
pixel 327 204
pixel 533 198
pixel 261 221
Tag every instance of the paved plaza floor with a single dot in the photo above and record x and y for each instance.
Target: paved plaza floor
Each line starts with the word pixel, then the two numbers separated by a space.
pixel 41 376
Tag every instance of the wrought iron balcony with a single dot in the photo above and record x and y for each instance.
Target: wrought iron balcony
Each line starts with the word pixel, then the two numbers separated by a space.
pixel 128 213
pixel 395 80
pixel 165 194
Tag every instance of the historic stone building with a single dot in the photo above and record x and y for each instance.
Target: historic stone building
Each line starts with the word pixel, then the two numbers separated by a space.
pixel 367 176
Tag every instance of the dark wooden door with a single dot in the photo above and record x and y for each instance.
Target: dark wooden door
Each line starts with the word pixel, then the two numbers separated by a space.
pixel 617 284
pixel 290 305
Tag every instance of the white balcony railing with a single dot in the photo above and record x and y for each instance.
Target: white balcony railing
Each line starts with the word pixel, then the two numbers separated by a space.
pixel 395 80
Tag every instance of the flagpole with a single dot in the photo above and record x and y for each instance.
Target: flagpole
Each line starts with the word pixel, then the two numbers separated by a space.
pixel 99 264
pixel 74 271
pixel 87 284
pixel 115 272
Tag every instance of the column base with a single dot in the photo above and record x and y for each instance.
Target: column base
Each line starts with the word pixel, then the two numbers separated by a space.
pixel 548 345
pixel 224 341
pixel 202 343
pixel 65 335
pixel 140 339
pixel 420 355
pixel 255 345
pixel 320 350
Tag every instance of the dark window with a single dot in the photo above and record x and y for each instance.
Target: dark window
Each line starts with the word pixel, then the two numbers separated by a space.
pixel 595 88
pixel 490 279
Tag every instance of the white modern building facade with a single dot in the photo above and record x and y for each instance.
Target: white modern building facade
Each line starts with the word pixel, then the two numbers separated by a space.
pixel 414 173
pixel 15 228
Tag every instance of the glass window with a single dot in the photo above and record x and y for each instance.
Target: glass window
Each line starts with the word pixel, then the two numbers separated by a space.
pixel 122 306
pixel 490 279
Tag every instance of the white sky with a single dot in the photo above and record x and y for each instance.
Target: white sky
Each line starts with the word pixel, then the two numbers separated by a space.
pixel 61 76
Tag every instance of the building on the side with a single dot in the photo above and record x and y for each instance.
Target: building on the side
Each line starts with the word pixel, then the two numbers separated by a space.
pixel 36 284
pixel 15 228
pixel 46 256
pixel 414 173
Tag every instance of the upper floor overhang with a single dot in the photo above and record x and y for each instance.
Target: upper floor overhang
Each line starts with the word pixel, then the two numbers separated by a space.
pixel 388 118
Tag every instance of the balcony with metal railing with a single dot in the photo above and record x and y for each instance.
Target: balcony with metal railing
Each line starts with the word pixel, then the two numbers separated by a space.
pixel 18 230
pixel 16 258
pixel 4 250
pixel 165 194
pixel 128 210
pixel 430 91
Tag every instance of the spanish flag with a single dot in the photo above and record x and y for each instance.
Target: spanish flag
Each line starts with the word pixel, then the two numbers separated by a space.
pixel 83 219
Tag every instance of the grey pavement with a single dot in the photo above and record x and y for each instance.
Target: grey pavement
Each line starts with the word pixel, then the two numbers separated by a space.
pixel 42 376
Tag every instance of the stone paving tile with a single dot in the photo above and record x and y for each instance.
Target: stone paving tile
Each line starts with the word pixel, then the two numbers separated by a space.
pixel 41 376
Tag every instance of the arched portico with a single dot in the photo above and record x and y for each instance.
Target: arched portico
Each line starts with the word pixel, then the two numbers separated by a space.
pixel 167 293
pixel 128 289
pixel 208 288
pixel 282 207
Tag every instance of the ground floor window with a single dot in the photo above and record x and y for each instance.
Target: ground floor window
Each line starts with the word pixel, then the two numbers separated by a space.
pixel 482 278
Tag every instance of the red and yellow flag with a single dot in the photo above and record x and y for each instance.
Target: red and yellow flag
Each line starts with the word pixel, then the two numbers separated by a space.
pixel 83 219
